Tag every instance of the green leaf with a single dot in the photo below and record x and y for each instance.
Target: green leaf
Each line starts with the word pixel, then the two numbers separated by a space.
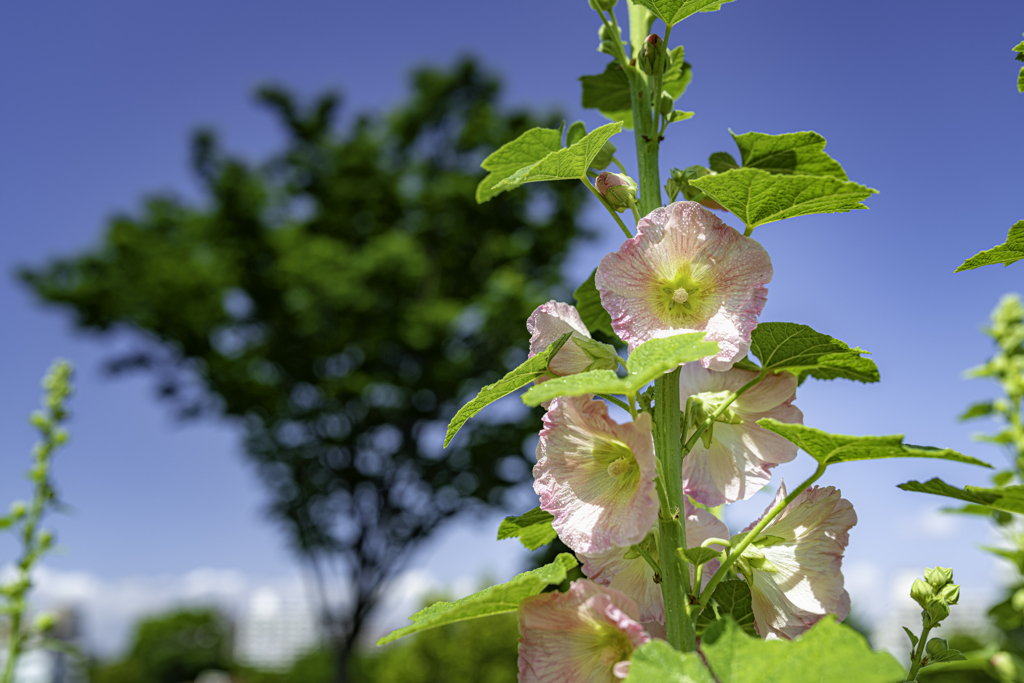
pixel 830 449
pixel 521 376
pixel 608 90
pixel 938 650
pixel 697 556
pixel 913 638
pixel 674 11
pixel 678 76
pixel 804 352
pixel 565 164
pixel 1020 78
pixel 576 132
pixel 720 162
pixel 1008 498
pixel 758 197
pixel 529 148
pixel 828 652
pixel 588 304
pixel 659 662
pixel 504 597
pixel 731 598
pixel 800 153
pixel 1010 251
pixel 978 410
pixel 648 361
pixel 677 115
pixel 532 528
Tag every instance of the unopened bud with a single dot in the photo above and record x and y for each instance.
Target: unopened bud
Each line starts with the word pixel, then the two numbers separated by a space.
pixel 667 104
pixel 922 593
pixel 936 646
pixel 18 509
pixel 938 577
pixel 611 40
pixel 44 621
pixel 937 610
pixel 950 593
pixel 618 190
pixel 603 5
pixel 653 59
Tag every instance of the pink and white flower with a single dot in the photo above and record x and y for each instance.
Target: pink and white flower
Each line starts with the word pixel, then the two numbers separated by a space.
pixel 625 570
pixel 741 455
pixel 585 635
pixel 596 476
pixel 686 271
pixel 797 581
pixel 553 319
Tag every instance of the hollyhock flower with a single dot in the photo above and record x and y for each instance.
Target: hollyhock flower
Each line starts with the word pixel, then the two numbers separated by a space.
pixel 736 461
pixel 585 635
pixel 596 476
pixel 686 271
pixel 625 570
pixel 553 319
pixel 796 581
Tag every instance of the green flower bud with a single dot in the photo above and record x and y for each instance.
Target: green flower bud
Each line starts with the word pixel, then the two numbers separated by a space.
pixel 938 577
pixel 617 189
pixel 653 59
pixel 18 509
pixel 602 5
pixel 937 610
pixel 44 621
pixel 667 104
pixel 936 646
pixel 609 37
pixel 950 593
pixel 922 593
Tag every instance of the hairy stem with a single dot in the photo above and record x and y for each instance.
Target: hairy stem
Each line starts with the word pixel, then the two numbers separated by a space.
pixel 675 584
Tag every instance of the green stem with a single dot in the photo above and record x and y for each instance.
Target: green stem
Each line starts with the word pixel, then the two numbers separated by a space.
pixel 650 560
pixel 918 656
pixel 736 552
pixel 644 134
pixel 618 163
pixel 703 426
pixel 675 584
pixel 619 402
pixel 636 214
pixel 749 231
pixel 715 541
pixel 606 205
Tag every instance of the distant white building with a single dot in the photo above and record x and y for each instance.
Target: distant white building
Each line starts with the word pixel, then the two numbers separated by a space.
pixel 273 631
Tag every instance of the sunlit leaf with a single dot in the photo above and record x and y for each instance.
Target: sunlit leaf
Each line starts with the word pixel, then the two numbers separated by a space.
pixel 504 597
pixel 532 528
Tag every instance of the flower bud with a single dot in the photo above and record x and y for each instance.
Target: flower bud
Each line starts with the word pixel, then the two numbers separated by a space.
pixel 602 5
pixel 938 577
pixel 936 646
pixel 653 59
pixel 922 593
pixel 609 37
pixel 937 610
pixel 44 621
pixel 617 189
pixel 667 104
pixel 950 593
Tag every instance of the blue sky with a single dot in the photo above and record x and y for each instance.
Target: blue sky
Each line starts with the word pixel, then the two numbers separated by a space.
pixel 917 99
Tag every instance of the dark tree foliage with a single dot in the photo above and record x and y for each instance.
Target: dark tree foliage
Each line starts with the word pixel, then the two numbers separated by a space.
pixel 172 648
pixel 341 300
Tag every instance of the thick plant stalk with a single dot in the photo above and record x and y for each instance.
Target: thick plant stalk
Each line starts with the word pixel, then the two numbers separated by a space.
pixel 675 577
pixel 645 130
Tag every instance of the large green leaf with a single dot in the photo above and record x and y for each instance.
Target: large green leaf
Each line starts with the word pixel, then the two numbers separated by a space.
pixel 804 352
pixel 588 304
pixel 659 662
pixel 532 528
pixel 674 11
pixel 1008 498
pixel 829 652
pixel 504 597
pixel 1010 251
pixel 529 148
pixel 570 163
pixel 800 153
pixel 829 449
pixel 520 377
pixel 758 197
pixel 648 361
pixel 730 599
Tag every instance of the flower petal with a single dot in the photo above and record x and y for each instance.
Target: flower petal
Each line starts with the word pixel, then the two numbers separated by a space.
pixel 549 322
pixel 596 476
pixel 686 271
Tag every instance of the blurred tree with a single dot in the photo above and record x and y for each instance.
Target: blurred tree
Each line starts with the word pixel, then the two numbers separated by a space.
pixel 172 648
pixel 341 300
